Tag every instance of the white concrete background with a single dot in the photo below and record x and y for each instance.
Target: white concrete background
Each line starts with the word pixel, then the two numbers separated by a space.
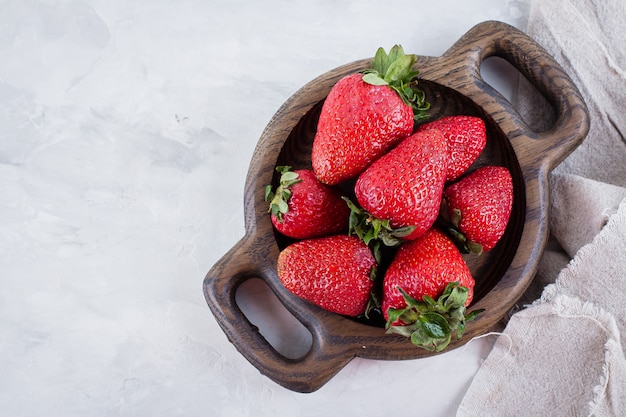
pixel 126 129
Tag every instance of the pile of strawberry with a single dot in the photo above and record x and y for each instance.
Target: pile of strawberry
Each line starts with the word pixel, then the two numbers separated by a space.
pixel 398 249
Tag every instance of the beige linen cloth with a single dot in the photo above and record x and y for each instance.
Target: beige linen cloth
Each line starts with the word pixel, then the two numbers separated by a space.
pixel 563 353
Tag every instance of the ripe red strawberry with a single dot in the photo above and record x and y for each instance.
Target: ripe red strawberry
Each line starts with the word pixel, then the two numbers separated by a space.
pixel 466 136
pixel 426 289
pixel 478 208
pixel 302 207
pixel 335 272
pixel 405 185
pixel 365 114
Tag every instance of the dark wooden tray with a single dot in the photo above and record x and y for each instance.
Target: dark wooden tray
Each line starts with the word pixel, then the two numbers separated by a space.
pixel 453 85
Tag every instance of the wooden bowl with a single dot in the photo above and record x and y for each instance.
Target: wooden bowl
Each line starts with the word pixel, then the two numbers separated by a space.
pixel 453 85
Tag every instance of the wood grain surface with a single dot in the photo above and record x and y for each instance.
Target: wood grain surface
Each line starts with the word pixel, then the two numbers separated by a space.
pixel 453 85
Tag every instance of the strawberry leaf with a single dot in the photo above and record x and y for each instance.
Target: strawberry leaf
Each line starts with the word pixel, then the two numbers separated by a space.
pixel 396 52
pixel 279 198
pixel 381 61
pixel 288 177
pixel 396 70
pixel 455 295
pixel 394 315
pixel 473 314
pixel 400 69
pixel 374 79
pixel 435 325
pixel 372 304
pixel 431 323
pixel 475 248
pixel 372 230
pixel 449 223
pixel 269 193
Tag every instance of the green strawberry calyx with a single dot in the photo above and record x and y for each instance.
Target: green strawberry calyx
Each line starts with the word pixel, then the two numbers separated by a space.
pixel 372 231
pixel 396 71
pixel 278 199
pixel 451 225
pixel 431 324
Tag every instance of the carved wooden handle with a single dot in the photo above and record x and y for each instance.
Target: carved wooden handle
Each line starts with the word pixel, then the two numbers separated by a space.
pixel 305 374
pixel 459 68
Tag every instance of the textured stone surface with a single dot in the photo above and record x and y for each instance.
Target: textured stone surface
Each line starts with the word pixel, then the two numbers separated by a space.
pixel 126 129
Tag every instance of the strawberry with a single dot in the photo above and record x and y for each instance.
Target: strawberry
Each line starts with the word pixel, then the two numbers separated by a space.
pixel 477 208
pixel 426 290
pixel 301 207
pixel 335 272
pixel 404 186
pixel 365 114
pixel 466 137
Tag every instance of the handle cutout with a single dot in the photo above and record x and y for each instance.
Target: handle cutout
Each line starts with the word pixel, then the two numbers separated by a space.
pixel 275 323
pixel 531 105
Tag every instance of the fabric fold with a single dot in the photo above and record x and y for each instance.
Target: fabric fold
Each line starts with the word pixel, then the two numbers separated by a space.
pixel 568 362
pixel 581 207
